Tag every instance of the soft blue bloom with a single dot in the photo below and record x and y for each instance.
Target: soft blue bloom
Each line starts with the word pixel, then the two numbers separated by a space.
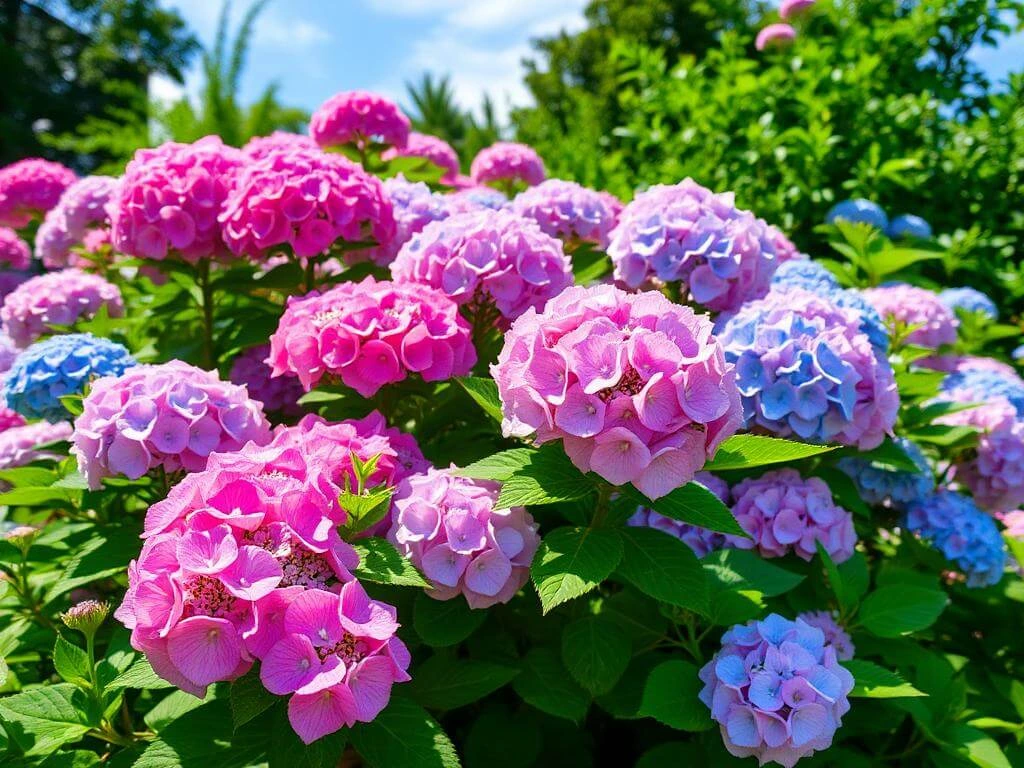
pixel 909 225
pixel 1018 353
pixel 61 365
pixel 970 300
pixel 876 484
pixel 982 384
pixel 859 210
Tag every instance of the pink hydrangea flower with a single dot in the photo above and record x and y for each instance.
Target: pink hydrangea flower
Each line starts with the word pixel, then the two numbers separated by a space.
pixel 835 636
pixel 911 306
pixel 20 443
pixel 775 36
pixel 785 249
pixel 30 188
pixel 1014 522
pixel 962 363
pixel 80 213
pixel 494 259
pixel 507 162
pixel 437 151
pixel 14 251
pixel 636 387
pixel 278 395
pixel 359 118
pixel 172 416
pixel 7 352
pixel 789 9
pixel 259 147
pixel 56 298
pixel 10 419
pixel 169 198
pixel 449 527
pixel 307 200
pixel 568 211
pixel 784 512
pixel 370 334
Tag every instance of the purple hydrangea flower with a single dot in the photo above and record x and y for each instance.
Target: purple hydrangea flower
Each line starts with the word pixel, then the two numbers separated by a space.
pixel 14 252
pixel 81 210
pixel 969 300
pixel 935 324
pixel 474 198
pixel 835 636
pixel 568 211
pixel 279 395
pixel 877 485
pixel 415 206
pixel 973 380
pixel 701 540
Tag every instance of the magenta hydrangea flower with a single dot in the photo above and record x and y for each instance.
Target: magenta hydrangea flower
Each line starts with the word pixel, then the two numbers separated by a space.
pixel 415 206
pixel 370 334
pixel 568 211
pixel 21 443
pixel 835 636
pixel 307 200
pixel 80 212
pixel 279 395
pixel 437 151
pixel 775 36
pixel 169 197
pixel 805 366
pixel 776 689
pixel 171 416
pixel 449 528
pixel 508 163
pixel 56 298
pixel 936 324
pixel 636 387
pixel 484 260
pixel 701 540
pixel 14 252
pixel 686 233
pixel 789 9
pixel 259 147
pixel 359 118
pixel 10 418
pixel 30 188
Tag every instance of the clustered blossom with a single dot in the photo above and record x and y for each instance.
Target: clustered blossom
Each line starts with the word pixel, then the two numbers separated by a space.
pixel 306 200
pixel 776 689
pixel 974 380
pixel 908 225
pixel 258 147
pixel 636 387
pixel 279 395
pixel 969 300
pixel 169 198
pixel 58 366
pixel 879 484
pixel 486 259
pixel 359 118
pixel 56 298
pixel 784 512
pixel 30 188
pixel 935 323
pixel 785 249
pixel 568 211
pixel 804 367
pixel 437 151
pixel 14 252
pixel 858 211
pixel 835 636
pixel 1014 522
pixel 474 199
pixel 370 334
pixel 20 444
pixel 8 352
pixel 414 206
pixel 507 163
pixel 449 528
pixel 686 233
pixel 171 415
pixel 82 211
pixel 701 540
pixel 965 535
pixel 775 36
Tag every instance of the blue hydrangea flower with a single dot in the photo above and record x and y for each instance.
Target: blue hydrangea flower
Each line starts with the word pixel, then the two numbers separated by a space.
pixel 61 365
pixel 877 484
pixel 963 533
pixel 1018 353
pixel 970 300
pixel 982 384
pixel 859 210
pixel 909 225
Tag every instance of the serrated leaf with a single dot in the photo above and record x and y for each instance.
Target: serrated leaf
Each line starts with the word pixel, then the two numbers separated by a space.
pixel 744 568
pixel 202 737
pixel 693 504
pixel 106 554
pixel 670 697
pixel 545 684
pixel 443 623
pixel 40 720
pixel 484 393
pixel 663 567
pixel 749 451
pixel 548 477
pixel 874 682
pixel 172 706
pixel 249 698
pixel 572 561
pixel 71 662
pixel 365 509
pixel 139 675
pixel 404 736
pixel 499 466
pixel 381 563
pixel 899 610
pixel 444 682
pixel 595 652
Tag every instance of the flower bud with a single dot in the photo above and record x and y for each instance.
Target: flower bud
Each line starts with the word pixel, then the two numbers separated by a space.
pixel 86 616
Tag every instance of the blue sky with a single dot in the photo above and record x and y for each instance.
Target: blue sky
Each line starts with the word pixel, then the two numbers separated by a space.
pixel 315 48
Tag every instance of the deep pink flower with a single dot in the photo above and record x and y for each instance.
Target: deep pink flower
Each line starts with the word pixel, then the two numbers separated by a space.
pixel 775 36
pixel 359 118
pixel 507 162
pixel 437 151
pixel 30 188
pixel 789 9
pixel 259 147
pixel 14 252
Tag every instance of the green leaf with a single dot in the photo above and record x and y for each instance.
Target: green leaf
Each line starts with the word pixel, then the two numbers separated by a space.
pixel 499 466
pixel 670 697
pixel 548 477
pixel 71 662
pixel 172 706
pixel 249 698
pixel 595 652
pixel 672 754
pixel 287 750
pixel 693 504
pixel 844 491
pixel 106 554
pixel 365 509
pixel 975 746
pixel 546 685
pixel 749 451
pixel 572 561
pixel 139 675
pixel 944 435
pixel 899 610
pixel 484 392
pixel 589 264
pixel 40 720
pixel 874 682
pixel 404 736
pixel 200 738
pixel 663 567
pixel 381 563
pixel 442 623
pixel 445 682
pixel 747 569
pixel 889 455
pixel 919 384
pixel 891 260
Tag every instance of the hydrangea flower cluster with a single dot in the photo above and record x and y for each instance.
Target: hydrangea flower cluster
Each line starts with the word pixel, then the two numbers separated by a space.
pixel 858 211
pixel 437 151
pixel 449 528
pixel 784 512
pixel 878 485
pixel 686 233
pixel 474 199
pixel 259 147
pixel 908 225
pixel 9 419
pixel 56 298
pixel 58 366
pixel 169 197
pixel 486 259
pixel 775 36
pixel 506 162
pixel 29 188
pixel 8 352
pixel 279 395
pixel 965 535
pixel 1014 522
pixel 171 415
pixel 936 324
pixel 14 252
pixel 82 209
pixel 789 9
pixel 20 443
pixel 306 200
pixel 785 249
pixel 568 211
pixel 636 387
pixel 359 118
pixel 804 367
pixel 973 380
pixel 835 636
pixel 370 334
pixel 969 300
pixel 776 689
pixel 701 540
pixel 415 206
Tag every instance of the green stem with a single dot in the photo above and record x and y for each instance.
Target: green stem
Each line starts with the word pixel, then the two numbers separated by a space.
pixel 603 505
pixel 206 305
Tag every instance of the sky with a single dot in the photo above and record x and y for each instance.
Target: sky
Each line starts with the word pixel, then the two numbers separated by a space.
pixel 315 48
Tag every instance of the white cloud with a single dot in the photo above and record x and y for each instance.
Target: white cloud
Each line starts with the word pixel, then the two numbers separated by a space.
pixel 272 32
pixel 164 90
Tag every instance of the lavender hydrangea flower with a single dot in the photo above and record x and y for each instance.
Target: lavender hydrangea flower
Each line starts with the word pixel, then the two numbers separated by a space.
pixel 963 533
pixel 835 636
pixel 975 384
pixel 908 225
pixel 82 209
pixel 877 485
pixel 474 198
pixel 858 211
pixel 415 206
pixel 279 395
pixel 776 689
pixel 568 211
pixel 969 300
pixel 20 445
pixel 701 540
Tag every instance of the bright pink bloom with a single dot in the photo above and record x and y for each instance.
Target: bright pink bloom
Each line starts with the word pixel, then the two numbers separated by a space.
pixel 789 9
pixel 81 213
pixel 259 147
pixel 279 395
pixel 20 444
pixel 437 151
pixel 775 36
pixel 568 211
pixel 1014 522
pixel 508 162
pixel 30 188
pixel 14 251
pixel 10 419
pixel 935 323
pixel 359 118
